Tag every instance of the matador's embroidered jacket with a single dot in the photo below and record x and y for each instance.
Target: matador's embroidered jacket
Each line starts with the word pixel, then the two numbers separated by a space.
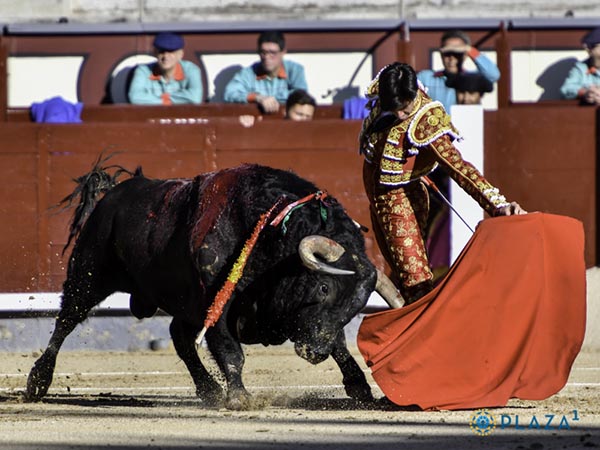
pixel 398 154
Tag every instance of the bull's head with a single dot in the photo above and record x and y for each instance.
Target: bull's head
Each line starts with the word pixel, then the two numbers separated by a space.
pixel 334 296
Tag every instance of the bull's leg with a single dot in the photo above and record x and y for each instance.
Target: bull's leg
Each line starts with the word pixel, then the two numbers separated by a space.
pixel 183 336
pixel 355 382
pixel 229 355
pixel 40 376
pixel 74 310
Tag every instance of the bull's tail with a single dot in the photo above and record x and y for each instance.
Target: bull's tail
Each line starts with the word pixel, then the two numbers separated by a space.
pixel 89 189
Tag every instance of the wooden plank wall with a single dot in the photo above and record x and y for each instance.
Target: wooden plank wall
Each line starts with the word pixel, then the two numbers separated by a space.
pixel 545 157
pixel 145 113
pixel 19 208
pixel 38 163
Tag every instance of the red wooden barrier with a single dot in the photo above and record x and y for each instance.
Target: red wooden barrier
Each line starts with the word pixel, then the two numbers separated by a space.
pixel 542 156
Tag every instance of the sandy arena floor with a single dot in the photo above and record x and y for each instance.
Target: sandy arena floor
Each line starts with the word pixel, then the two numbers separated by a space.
pixel 135 400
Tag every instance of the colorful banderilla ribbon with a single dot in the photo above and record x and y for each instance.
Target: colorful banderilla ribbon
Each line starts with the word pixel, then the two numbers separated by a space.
pixel 216 309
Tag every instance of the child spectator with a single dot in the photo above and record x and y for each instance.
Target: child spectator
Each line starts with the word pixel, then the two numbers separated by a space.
pixel 300 106
pixel 470 87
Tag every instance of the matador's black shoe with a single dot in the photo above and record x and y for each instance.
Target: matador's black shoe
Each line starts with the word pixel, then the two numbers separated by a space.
pixel 414 293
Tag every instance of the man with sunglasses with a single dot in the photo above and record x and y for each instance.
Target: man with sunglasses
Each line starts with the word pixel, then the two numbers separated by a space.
pixel 269 81
pixel 455 49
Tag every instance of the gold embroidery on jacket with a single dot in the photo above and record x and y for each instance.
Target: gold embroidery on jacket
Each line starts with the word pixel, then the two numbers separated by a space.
pixel 430 123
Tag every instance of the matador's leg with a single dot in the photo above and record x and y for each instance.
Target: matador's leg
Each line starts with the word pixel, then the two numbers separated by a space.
pixel 401 218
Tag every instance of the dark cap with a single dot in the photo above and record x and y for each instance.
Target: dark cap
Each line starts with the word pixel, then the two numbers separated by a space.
pixel 168 41
pixel 592 38
pixel 470 82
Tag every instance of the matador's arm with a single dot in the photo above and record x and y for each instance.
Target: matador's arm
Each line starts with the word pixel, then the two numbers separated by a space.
pixel 467 176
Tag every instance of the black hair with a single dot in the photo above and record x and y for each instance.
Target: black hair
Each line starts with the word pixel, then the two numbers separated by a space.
pixel 455 34
pixel 272 36
pixel 397 86
pixel 299 97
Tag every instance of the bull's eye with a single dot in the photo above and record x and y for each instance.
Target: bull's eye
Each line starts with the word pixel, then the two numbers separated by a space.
pixel 324 289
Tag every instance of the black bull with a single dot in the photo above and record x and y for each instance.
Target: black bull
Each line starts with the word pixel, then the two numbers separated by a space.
pixel 171 244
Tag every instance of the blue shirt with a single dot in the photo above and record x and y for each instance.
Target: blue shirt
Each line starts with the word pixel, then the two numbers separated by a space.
pixel 435 82
pixel 250 82
pixel 149 88
pixel 581 76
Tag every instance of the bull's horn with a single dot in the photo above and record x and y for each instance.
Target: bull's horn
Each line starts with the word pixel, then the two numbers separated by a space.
pixel 327 249
pixel 388 291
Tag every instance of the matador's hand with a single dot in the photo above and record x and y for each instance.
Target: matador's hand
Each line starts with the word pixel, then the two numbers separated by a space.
pixel 514 209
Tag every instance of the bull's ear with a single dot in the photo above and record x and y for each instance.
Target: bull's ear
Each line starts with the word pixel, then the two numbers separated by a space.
pixel 315 245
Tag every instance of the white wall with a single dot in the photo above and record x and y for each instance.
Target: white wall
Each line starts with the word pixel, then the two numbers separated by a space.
pixel 326 72
pixel 539 74
pixel 536 75
pixel 468 119
pixel 25 85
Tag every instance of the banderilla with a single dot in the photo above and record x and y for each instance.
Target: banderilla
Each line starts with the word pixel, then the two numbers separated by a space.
pixel 432 185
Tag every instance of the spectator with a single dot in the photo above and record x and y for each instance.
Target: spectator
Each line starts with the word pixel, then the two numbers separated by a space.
pixel 583 80
pixel 168 81
pixel 300 106
pixel 269 81
pixel 455 47
pixel 470 87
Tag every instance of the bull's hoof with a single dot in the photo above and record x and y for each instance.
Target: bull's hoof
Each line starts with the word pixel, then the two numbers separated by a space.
pixel 212 396
pixel 32 395
pixel 239 400
pixel 40 377
pixel 359 392
pixel 39 380
pixel 36 388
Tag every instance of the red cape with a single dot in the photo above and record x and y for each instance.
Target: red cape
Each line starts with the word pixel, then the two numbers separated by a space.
pixel 506 322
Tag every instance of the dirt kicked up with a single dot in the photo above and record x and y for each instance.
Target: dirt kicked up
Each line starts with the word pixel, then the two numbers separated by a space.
pixel 135 400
